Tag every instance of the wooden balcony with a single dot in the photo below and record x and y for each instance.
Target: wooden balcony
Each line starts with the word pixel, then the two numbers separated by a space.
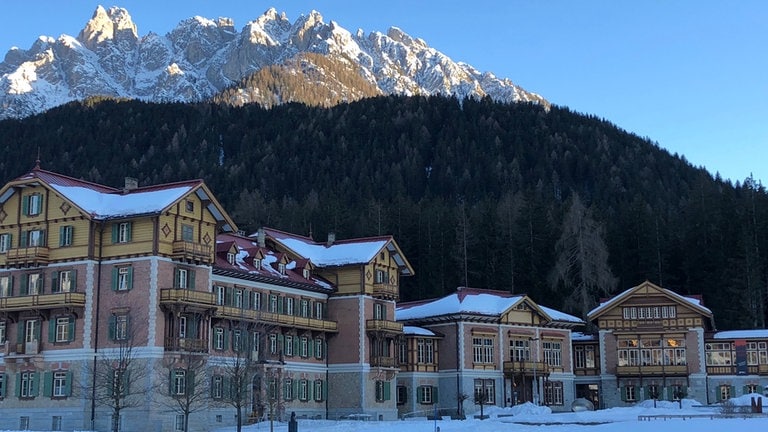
pixel 42 301
pixel 32 256
pixel 192 252
pixel 382 361
pixel 375 325
pixel 305 323
pixel 386 291
pixel 526 368
pixel 586 371
pixel 172 296
pixel 733 370
pixel 186 344
pixel 655 370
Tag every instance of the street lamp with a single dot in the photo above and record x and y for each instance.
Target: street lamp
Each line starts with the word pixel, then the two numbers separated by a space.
pixel 535 382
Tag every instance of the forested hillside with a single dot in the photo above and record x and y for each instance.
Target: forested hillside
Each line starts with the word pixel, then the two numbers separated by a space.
pixel 561 206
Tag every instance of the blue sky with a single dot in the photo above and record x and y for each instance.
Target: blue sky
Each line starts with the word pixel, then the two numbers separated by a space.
pixel 689 75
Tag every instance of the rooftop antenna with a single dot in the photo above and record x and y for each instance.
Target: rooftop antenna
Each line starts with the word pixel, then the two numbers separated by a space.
pixel 37 161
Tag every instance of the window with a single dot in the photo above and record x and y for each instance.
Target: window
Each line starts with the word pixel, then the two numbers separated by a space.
pixel 402 395
pixel 185 278
pixel 289 305
pixel 3 384
pixel 425 394
pixel 187 233
pixel 584 357
pixel 6 286
pixel 122 278
pixel 182 327
pixel 34 238
pixel 402 351
pixel 273 303
pixel 553 393
pixel 65 235
pixel 32 204
pixel 757 353
pixel 485 391
pixel 288 389
pixel 189 206
pixel 318 348
pixel 382 391
pixel 178 422
pixel 237 341
pixel 303 390
pixel 281 268
pixel 5 242
pixel 725 392
pixel 425 351
pixel 319 390
pixel 379 311
pixel 31 331
pixel 28 385
pixel 382 277
pixel 552 353
pixel 64 281
pixel 32 283
pixel 3 332
pixel 217 387
pixel 230 258
pixel 179 382
pixel 56 423
pixel 119 327
pixel 24 423
pixel 289 345
pixel 64 329
pixel 218 338
pixel 305 273
pixel 304 308
pixel 273 344
pixel 482 348
pixel 121 232
pixel 304 347
pixel 256 302
pixel 220 295
pixel 256 344
pixel 60 384
pixel 629 393
pixel 678 392
pixel 319 310
pixel 238 299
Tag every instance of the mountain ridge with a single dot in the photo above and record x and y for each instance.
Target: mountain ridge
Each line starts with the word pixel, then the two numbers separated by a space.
pixel 201 57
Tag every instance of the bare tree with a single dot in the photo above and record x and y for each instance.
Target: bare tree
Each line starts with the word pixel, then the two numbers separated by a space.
pixel 185 384
pixel 119 376
pixel 582 260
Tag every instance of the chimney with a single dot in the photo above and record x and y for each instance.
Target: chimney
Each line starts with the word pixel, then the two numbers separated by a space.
pixel 261 237
pixel 331 239
pixel 130 184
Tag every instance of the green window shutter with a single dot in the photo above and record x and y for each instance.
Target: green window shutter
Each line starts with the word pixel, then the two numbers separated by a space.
pixel 325 390
pixel 34 385
pixel 43 238
pixel 4 380
pixel 114 278
pixel 62 233
pixel 38 330
pixel 225 337
pixel 115 232
pixel 190 382
pixel 24 288
pixel 20 332
pixel 52 329
pixel 192 326
pixel 176 277
pixel 68 384
pixel 226 388
pixel 55 282
pixel 129 231
pixel 23 239
pixel 420 394
pixel 17 388
pixel 624 394
pixel 40 284
pixel 279 304
pixel 434 395
pixel 48 383
pixel 71 326
pixel 191 281
pixel 10 287
pixel 296 345
pixel 25 205
pixel 310 347
pixel 130 278
pixel 129 330
pixel 171 390
pixel 74 281
pixel 228 296
pixel 387 392
pixel 112 325
pixel 246 299
pixel 127 382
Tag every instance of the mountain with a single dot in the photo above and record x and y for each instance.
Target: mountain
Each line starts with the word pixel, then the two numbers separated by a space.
pixel 200 58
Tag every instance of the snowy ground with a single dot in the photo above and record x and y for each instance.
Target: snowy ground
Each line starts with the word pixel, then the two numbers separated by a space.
pixel 530 418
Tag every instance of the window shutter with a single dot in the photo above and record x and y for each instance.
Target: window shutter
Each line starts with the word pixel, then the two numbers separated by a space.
pixel 10 286
pixel 127 382
pixel 115 232
pixel 191 281
pixel 225 336
pixel 52 329
pixel 25 205
pixel 43 238
pixel 226 391
pixel 420 394
pixel 23 239
pixel 17 389
pixel 24 288
pixel 624 394
pixel 386 385
pixel 112 325
pixel 279 304
pixel 325 390
pixel 71 329
pixel 62 233
pixel 128 329
pixel 55 282
pixel 190 382
pixel 34 385
pixel 171 389
pixel 296 345
pixel 4 380
pixel 228 296
pixel 20 333
pixel 68 384
pixel 130 278
pixel 73 287
pixel 114 278
pixel 40 284
pixel 246 299
pixel 177 278
pixel 434 395
pixel 38 330
pixel 129 231
pixel 48 384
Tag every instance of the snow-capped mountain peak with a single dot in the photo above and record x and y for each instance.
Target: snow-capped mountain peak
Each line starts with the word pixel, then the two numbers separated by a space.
pixel 202 57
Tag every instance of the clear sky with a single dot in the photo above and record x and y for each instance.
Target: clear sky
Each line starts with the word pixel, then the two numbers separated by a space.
pixel 690 75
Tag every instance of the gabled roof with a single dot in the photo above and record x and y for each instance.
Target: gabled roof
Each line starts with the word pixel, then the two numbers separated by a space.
pixel 243 266
pixel 694 303
pixel 101 202
pixel 340 252
pixel 479 302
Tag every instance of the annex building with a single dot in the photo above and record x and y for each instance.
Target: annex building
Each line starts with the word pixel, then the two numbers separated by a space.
pixel 143 308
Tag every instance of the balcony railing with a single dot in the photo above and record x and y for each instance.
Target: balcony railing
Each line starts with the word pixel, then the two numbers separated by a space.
pixel 42 301
pixel 191 251
pixel 186 296
pixel 186 344
pixel 654 370
pixel 382 361
pixel 306 323
pixel 383 325
pixel 387 291
pixel 733 370
pixel 28 256
pixel 526 367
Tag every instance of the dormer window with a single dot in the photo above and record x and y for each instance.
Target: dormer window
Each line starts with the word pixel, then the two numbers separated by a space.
pixel 189 206
pixel 305 272
pixel 381 277
pixel 32 204
pixel 257 263
pixel 230 257
pixel 281 268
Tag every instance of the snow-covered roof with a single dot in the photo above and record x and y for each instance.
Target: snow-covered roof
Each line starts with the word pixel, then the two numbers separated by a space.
pixel 102 205
pixel 417 331
pixel 579 336
pixel 696 302
pixel 742 334
pixel 473 301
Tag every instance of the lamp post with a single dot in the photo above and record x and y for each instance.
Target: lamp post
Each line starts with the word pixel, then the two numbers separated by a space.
pixel 535 382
